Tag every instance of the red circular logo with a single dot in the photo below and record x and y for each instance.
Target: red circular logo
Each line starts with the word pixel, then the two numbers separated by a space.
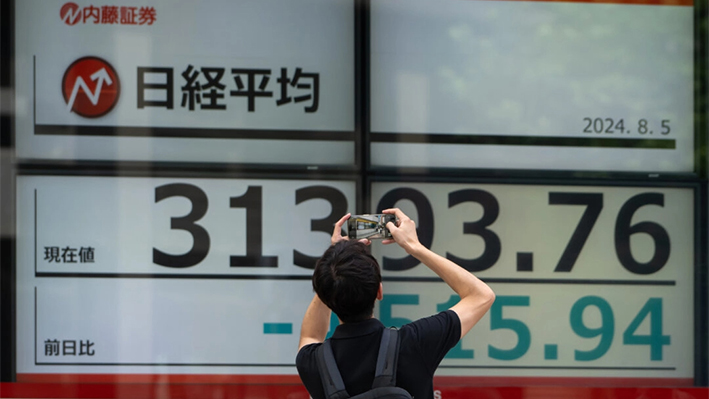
pixel 90 87
pixel 70 13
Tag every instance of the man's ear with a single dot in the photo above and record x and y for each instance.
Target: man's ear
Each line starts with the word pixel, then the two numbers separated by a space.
pixel 380 292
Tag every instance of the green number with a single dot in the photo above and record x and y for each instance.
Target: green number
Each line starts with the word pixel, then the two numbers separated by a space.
pixel 605 330
pixel 498 322
pixel 388 301
pixel 653 308
pixel 457 352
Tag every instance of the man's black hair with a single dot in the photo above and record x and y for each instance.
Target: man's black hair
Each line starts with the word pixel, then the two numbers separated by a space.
pixel 347 278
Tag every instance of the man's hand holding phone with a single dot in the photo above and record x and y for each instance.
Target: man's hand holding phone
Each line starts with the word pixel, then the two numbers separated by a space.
pixel 404 233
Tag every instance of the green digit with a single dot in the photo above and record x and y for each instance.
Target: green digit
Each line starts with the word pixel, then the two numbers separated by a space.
pixel 388 301
pixel 524 338
pixel 457 352
pixel 605 330
pixel 653 308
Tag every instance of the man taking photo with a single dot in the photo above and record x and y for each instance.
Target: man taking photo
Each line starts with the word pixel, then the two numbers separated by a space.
pixel 347 281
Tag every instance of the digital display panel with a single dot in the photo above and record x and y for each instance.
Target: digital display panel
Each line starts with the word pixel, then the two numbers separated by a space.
pixel 157 275
pixel 252 82
pixel 591 281
pixel 522 85
pixel 210 276
pixel 130 275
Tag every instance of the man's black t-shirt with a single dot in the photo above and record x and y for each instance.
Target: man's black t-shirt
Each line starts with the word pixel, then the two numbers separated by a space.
pixel 424 343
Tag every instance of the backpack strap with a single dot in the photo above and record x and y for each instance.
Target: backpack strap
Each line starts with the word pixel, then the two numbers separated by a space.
pixel 332 383
pixel 387 359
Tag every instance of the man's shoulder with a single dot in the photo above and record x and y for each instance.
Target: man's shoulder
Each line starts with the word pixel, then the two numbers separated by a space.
pixel 446 320
pixel 430 338
pixel 306 352
pixel 424 343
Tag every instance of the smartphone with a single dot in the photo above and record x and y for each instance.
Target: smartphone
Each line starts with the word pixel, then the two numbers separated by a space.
pixel 371 227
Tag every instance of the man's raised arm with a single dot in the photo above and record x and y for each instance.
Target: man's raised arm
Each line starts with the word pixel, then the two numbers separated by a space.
pixel 316 322
pixel 476 297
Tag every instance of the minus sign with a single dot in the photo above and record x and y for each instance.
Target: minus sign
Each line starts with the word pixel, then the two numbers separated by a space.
pixel 278 328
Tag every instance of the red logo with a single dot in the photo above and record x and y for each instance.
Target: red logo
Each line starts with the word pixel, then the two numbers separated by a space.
pixel 91 87
pixel 70 13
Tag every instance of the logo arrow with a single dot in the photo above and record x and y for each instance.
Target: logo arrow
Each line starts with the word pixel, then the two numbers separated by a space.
pixel 100 77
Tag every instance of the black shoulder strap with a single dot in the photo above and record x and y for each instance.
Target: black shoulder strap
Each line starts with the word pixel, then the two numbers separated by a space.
pixel 384 373
pixel 387 359
pixel 331 378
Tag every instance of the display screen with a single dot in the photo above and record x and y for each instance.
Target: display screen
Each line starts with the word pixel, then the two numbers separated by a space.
pixel 254 82
pixel 179 167
pixel 208 275
pixel 591 281
pixel 152 275
pixel 568 85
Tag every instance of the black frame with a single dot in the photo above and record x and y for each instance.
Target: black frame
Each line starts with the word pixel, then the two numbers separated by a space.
pixel 361 171
pixel 7 244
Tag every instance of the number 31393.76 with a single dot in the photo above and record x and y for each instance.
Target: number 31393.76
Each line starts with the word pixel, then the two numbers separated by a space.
pixel 251 200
